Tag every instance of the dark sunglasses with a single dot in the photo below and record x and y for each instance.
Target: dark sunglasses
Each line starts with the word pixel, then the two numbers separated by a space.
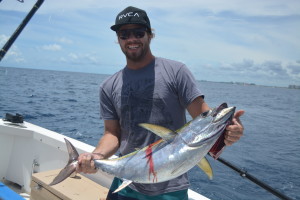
pixel 137 32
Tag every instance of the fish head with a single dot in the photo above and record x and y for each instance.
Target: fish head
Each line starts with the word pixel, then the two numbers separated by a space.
pixel 208 127
pixel 223 114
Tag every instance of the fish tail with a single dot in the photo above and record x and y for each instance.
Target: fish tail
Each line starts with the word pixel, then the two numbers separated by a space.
pixel 70 168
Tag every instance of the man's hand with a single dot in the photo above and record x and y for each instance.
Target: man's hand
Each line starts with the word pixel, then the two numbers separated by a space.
pixel 86 163
pixel 234 131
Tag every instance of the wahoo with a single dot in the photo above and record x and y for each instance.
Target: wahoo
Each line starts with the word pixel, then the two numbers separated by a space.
pixel 173 155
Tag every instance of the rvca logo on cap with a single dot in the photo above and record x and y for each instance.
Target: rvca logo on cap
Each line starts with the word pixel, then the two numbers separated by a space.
pixel 129 14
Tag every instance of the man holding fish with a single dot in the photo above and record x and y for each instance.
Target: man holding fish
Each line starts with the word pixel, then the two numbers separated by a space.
pixel 150 90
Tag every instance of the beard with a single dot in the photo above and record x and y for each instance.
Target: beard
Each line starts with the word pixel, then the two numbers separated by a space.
pixel 138 55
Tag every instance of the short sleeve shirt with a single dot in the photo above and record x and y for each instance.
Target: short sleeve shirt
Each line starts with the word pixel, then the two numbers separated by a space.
pixel 158 93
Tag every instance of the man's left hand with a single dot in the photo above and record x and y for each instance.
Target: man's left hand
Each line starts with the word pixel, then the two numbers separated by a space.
pixel 235 130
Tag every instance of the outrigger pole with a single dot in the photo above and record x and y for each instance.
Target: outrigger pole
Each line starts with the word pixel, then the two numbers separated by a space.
pixel 14 36
pixel 245 174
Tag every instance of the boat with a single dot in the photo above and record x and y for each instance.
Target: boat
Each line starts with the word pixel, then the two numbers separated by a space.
pixel 28 152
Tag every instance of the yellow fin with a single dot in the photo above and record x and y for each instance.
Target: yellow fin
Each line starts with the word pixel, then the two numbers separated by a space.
pixel 205 166
pixel 125 156
pixel 166 134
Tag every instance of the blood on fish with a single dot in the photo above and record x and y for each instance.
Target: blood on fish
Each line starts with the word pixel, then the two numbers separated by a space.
pixel 151 163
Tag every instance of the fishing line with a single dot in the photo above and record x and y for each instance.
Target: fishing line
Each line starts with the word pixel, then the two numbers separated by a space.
pixel 258 182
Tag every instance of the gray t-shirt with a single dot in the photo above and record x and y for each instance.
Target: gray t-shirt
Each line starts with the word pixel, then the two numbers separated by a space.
pixel 158 94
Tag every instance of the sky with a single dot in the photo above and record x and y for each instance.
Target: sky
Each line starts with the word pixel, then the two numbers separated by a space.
pixel 255 41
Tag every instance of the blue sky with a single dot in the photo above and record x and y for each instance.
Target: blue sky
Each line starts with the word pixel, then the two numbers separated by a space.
pixel 254 41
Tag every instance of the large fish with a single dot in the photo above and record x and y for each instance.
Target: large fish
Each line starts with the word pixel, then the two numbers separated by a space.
pixel 173 155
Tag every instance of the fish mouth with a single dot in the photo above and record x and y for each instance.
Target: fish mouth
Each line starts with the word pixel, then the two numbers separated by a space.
pixel 223 113
pixel 221 117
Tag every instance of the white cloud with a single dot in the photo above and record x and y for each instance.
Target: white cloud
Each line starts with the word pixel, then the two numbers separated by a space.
pixel 3 39
pixel 210 36
pixel 73 56
pixel 65 40
pixel 13 54
pixel 273 7
pixel 269 69
pixel 81 59
pixel 293 69
pixel 52 47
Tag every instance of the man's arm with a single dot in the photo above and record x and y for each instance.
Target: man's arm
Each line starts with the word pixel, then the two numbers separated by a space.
pixel 106 147
pixel 197 107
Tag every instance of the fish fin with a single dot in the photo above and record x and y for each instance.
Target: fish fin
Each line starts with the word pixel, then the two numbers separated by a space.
pixel 63 174
pixel 73 175
pixel 70 168
pixel 126 156
pixel 206 168
pixel 73 154
pixel 165 133
pixel 123 185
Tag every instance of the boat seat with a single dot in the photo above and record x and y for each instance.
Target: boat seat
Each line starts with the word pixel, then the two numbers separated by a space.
pixel 77 188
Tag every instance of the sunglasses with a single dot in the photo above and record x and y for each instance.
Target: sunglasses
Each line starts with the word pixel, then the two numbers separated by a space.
pixel 137 32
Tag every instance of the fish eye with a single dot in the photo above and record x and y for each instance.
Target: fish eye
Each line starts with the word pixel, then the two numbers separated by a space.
pixel 205 114
pixel 214 112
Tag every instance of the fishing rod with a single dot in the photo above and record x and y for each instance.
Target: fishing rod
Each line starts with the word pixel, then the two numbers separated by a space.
pixel 245 174
pixel 14 36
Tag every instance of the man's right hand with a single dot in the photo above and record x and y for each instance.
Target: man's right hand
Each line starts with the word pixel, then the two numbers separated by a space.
pixel 86 163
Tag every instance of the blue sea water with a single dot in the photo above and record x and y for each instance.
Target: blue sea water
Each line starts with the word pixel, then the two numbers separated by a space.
pixel 68 103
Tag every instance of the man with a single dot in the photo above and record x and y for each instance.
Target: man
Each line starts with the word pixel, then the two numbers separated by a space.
pixel 148 90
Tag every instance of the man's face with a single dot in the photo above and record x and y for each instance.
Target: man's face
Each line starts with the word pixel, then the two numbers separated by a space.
pixel 134 44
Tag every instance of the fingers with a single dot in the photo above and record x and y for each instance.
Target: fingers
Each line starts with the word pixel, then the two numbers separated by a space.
pixel 86 164
pixel 230 139
pixel 238 114
pixel 234 131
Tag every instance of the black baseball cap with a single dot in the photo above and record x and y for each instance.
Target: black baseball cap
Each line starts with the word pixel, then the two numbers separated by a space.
pixel 132 15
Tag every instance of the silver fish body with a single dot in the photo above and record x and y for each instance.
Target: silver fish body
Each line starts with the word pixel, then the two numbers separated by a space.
pixel 173 155
pixel 165 160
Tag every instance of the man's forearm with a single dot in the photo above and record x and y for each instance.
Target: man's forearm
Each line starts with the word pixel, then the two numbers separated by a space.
pixel 107 146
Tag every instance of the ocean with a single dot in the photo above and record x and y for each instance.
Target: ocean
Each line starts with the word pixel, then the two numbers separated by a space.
pixel 68 103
